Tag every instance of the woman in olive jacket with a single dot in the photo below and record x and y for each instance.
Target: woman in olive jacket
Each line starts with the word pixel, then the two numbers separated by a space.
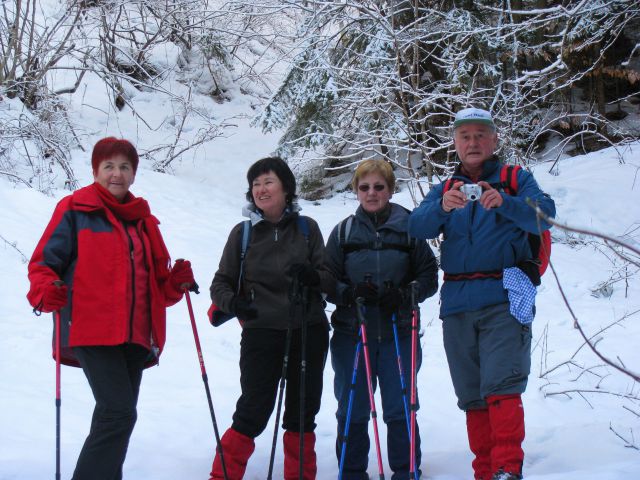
pixel 285 251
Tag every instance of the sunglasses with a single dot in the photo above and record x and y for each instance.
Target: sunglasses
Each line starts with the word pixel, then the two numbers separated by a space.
pixel 377 187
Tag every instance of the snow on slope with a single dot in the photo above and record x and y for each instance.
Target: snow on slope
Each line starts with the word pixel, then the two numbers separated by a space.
pixel 566 438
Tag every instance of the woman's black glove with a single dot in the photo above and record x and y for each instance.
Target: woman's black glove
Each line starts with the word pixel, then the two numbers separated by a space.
pixel 243 309
pixel 367 291
pixel 392 299
pixel 305 274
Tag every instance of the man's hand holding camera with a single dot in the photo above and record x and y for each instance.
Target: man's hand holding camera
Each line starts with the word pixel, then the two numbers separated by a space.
pixel 491 198
pixel 461 193
pixel 454 198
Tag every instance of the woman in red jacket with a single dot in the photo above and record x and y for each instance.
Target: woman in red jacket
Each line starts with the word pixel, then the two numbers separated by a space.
pixel 103 265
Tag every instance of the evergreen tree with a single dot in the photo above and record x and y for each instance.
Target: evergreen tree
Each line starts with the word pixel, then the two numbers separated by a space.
pixel 385 78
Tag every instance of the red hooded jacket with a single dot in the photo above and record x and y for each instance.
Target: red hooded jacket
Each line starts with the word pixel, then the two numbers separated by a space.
pixel 88 248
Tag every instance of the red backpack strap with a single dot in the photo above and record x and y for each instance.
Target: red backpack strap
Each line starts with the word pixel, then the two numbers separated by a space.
pixel 447 185
pixel 509 178
pixel 545 251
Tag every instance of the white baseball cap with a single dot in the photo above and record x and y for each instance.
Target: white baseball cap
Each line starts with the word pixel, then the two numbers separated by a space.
pixel 473 115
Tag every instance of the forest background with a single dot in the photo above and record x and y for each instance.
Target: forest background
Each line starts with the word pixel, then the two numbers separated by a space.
pixel 340 81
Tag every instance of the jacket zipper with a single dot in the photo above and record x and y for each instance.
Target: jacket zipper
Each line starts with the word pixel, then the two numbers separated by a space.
pixel 379 278
pixel 472 215
pixel 153 348
pixel 133 284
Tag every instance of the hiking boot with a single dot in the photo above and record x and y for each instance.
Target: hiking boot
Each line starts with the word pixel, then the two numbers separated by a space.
pixel 502 475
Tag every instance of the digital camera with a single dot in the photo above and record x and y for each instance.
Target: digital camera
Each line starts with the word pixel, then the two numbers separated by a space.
pixel 472 191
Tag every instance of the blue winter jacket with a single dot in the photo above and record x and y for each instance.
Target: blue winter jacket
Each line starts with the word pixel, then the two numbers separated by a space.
pixel 397 266
pixel 479 240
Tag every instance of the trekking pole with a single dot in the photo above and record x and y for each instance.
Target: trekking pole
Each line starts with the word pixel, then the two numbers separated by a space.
pixel 403 385
pixel 303 373
pixel 352 392
pixel 196 338
pixel 414 354
pixel 295 294
pixel 367 364
pixel 56 316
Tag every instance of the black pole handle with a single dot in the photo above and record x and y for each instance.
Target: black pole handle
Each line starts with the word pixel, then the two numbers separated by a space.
pixel 414 292
pixel 359 314
pixel 295 290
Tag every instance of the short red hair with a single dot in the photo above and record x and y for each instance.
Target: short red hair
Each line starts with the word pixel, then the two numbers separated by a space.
pixel 109 147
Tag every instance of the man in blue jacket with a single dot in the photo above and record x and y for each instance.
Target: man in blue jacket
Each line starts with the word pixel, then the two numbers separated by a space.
pixel 486 326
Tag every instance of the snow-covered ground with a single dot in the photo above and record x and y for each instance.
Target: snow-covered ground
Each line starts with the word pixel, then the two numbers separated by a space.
pixel 567 437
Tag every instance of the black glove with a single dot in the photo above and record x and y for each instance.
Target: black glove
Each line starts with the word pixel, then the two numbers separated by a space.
pixel 305 274
pixel 242 309
pixel 367 291
pixel 392 299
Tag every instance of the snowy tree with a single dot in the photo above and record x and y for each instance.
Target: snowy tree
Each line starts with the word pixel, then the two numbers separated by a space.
pixel 384 78
pixel 47 51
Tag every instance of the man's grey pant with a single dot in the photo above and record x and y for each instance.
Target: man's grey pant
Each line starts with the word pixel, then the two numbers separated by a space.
pixel 489 353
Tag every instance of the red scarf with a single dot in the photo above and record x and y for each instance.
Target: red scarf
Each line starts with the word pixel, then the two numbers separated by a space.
pixel 133 209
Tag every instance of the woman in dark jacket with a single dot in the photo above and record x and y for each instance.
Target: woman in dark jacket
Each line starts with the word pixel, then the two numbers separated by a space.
pixel 373 257
pixel 284 252
pixel 102 264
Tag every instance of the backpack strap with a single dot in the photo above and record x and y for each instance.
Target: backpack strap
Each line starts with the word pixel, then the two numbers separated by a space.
pixel 544 251
pixel 303 225
pixel 411 242
pixel 344 229
pixel 403 247
pixel 246 233
pixel 447 185
pixel 509 179
pixel 244 245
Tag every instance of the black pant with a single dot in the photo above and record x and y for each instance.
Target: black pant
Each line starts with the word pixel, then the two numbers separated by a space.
pixel 261 358
pixel 114 375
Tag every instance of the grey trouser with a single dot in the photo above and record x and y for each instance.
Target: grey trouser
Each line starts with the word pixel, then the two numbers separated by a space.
pixel 489 353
